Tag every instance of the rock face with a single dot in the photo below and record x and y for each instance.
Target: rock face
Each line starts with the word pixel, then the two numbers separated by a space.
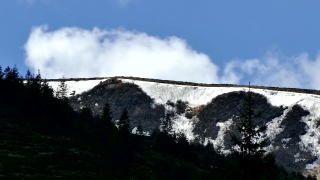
pixel 121 96
pixel 208 115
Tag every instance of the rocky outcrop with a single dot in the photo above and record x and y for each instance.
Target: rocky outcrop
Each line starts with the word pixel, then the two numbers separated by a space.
pixel 121 96
pixel 222 108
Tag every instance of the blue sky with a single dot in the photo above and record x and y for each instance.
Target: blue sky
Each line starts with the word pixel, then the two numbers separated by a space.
pixel 271 43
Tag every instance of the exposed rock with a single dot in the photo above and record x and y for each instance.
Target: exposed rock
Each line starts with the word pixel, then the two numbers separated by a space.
pixel 220 109
pixel 121 96
pixel 287 142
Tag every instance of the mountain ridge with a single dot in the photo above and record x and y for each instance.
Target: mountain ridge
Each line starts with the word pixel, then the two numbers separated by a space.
pixel 206 112
pixel 298 90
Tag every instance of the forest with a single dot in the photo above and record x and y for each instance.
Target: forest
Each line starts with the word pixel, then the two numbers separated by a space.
pixel 42 137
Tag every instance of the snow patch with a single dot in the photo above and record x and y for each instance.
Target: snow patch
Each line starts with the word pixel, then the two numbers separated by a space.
pixel 134 131
pixel 218 143
pixel 273 127
pixel 194 95
pixel 297 159
pixel 285 140
pixel 198 95
pixel 77 86
pixel 180 123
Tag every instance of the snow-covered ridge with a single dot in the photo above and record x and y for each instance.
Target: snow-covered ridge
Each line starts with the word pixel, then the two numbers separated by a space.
pixel 89 86
pixel 76 86
pixel 197 95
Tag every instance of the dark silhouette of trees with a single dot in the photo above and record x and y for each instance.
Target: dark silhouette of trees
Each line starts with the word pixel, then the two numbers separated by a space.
pixel 248 143
pixel 86 121
pixel 104 125
pixel 94 147
pixel 164 141
pixel 139 130
pixel 166 124
pixel 62 91
pixel 124 123
pixel 1 73
pixel 251 156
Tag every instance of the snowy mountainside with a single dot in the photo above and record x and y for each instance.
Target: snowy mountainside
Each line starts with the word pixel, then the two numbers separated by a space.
pixel 206 113
pixel 77 86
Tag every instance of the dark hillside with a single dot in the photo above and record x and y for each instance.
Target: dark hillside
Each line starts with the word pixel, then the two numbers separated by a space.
pixel 287 142
pixel 121 96
pixel 43 137
pixel 28 154
pixel 226 106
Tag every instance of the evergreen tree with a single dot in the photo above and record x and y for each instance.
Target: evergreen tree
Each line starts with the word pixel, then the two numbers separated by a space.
pixel 183 147
pixel 37 81
pixel 62 90
pixel 124 124
pixel 12 75
pixel 46 90
pixel 1 73
pixel 86 115
pixel 165 141
pixel 122 143
pixel 166 124
pixel 29 77
pixel 105 125
pixel 13 89
pixel 106 113
pixel 139 129
pixel 249 142
pixel 251 158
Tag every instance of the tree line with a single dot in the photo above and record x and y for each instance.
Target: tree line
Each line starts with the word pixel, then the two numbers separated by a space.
pixel 122 154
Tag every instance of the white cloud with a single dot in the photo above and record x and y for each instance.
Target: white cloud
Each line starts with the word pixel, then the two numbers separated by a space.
pixel 275 70
pixel 75 52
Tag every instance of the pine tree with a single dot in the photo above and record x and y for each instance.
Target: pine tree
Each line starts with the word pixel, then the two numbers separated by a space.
pixel 1 87
pixel 1 73
pixel 12 75
pixel 105 121
pixel 46 90
pixel 29 77
pixel 251 158
pixel 106 113
pixel 166 124
pixel 249 142
pixel 123 124
pixel 62 90
pixel 139 129
pixel 86 115
pixel 166 140
pixel 37 80
pixel 122 143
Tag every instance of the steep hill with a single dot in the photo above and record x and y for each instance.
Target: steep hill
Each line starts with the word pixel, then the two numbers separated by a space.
pixel 208 112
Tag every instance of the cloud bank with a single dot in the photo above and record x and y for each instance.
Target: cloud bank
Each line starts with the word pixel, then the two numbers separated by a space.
pixel 274 70
pixel 75 52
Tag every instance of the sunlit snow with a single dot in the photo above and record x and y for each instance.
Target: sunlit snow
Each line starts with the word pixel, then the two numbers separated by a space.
pixel 198 95
pixel 218 143
pixel 77 86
